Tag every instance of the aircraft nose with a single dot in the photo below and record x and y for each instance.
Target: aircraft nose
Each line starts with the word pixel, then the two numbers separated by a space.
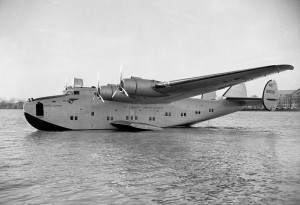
pixel 29 107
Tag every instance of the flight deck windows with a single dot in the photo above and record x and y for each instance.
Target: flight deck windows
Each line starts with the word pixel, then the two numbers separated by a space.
pixel 76 92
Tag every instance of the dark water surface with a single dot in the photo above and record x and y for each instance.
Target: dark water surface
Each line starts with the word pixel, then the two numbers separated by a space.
pixel 242 158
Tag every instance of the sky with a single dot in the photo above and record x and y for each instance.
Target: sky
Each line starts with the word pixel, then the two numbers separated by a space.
pixel 44 42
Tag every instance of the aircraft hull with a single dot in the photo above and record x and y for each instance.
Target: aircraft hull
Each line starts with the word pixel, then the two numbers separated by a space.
pixel 83 113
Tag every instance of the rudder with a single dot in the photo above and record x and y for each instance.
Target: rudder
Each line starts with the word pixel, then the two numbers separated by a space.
pixel 270 96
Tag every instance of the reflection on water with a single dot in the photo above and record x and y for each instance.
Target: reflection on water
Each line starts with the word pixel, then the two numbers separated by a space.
pixel 238 159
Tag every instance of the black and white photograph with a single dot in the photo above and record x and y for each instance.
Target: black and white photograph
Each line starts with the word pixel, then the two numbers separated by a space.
pixel 150 102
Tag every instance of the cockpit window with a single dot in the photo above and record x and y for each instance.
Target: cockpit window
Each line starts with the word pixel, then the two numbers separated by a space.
pixel 76 92
pixel 68 92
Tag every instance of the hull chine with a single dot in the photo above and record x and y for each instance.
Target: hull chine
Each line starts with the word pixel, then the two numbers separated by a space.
pixel 43 125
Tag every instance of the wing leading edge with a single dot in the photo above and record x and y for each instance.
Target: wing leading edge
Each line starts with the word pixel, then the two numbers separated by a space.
pixel 185 88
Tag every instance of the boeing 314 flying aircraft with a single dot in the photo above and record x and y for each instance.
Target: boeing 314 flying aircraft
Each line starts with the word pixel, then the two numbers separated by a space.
pixel 142 104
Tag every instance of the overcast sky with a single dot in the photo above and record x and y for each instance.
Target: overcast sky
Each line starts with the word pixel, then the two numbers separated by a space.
pixel 43 42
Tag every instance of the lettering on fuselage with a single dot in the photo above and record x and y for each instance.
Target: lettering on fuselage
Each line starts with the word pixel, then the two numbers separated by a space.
pixel 270 91
pixel 53 105
pixel 143 107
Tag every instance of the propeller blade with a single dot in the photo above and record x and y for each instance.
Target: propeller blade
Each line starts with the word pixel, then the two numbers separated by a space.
pixel 66 82
pixel 101 98
pixel 97 93
pixel 123 90
pixel 114 93
pixel 119 86
pixel 121 75
pixel 98 81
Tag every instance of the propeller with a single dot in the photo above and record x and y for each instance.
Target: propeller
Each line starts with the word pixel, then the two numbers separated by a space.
pixel 66 82
pixel 120 86
pixel 97 94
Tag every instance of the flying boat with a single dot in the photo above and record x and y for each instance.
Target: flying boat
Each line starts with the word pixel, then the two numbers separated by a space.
pixel 142 104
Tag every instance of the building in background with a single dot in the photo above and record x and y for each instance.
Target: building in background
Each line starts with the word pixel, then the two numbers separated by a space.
pixel 289 99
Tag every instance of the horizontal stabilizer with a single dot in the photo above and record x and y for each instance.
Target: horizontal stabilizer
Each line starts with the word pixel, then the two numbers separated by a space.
pixel 244 99
pixel 129 125
pixel 269 99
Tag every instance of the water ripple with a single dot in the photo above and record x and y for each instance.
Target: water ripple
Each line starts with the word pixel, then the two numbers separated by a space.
pixel 229 160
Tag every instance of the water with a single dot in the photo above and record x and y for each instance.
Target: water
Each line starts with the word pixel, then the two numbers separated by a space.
pixel 242 158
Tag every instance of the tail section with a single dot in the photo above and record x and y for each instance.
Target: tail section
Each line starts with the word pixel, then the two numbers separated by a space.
pixel 269 99
pixel 209 96
pixel 270 95
pixel 238 90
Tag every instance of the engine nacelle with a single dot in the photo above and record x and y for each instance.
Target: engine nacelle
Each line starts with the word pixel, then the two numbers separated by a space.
pixel 107 91
pixel 140 87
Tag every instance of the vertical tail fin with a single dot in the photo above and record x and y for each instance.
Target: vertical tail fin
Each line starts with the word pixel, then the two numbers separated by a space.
pixel 209 96
pixel 270 95
pixel 238 90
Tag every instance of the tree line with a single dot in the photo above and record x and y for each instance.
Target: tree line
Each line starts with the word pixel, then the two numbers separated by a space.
pixel 12 103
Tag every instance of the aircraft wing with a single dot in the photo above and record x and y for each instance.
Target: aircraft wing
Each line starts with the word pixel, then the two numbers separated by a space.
pixel 185 88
